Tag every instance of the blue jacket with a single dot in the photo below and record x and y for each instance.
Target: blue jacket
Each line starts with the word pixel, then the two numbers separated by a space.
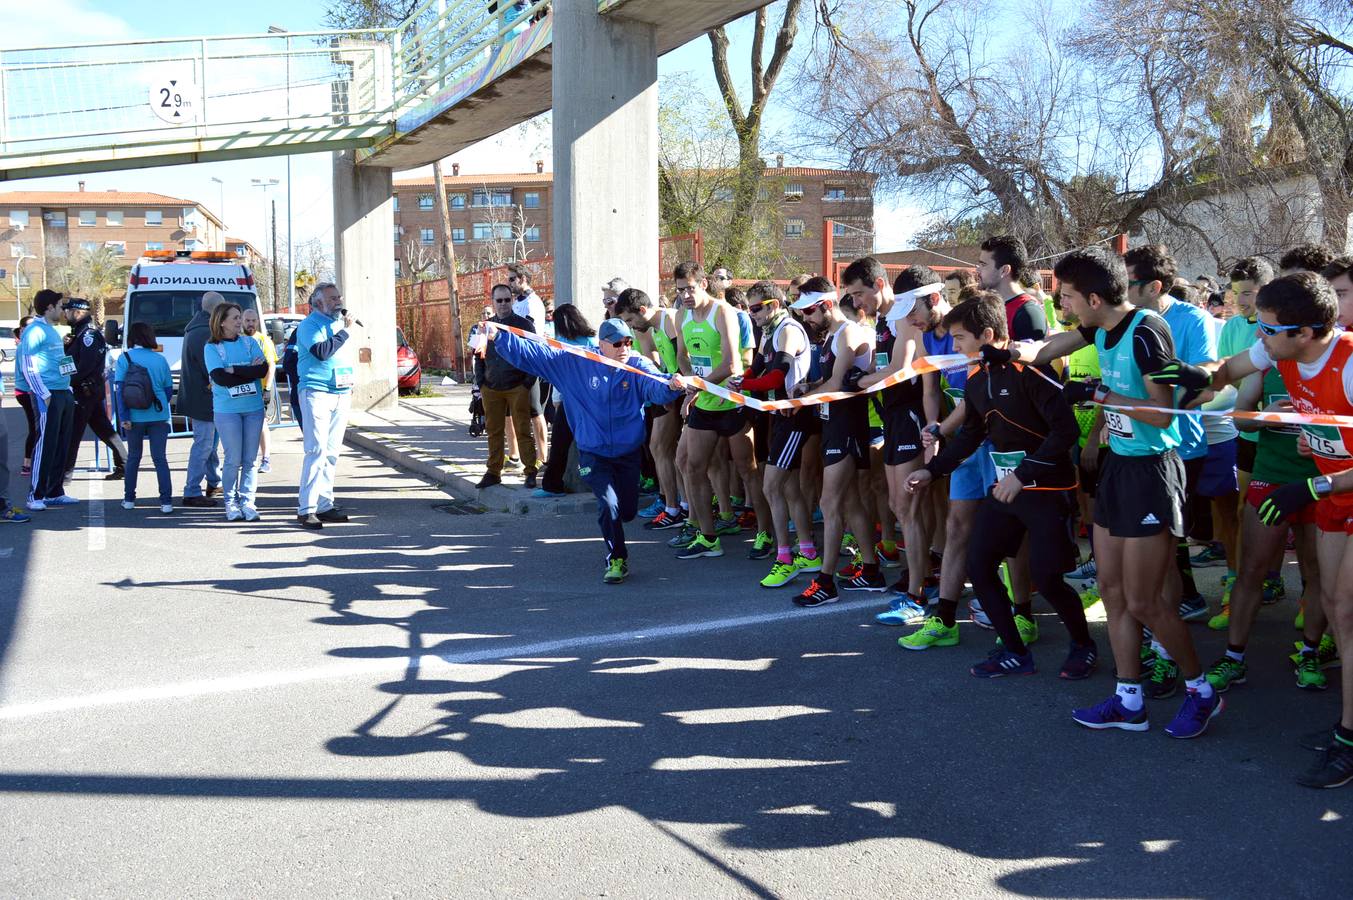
pixel 605 406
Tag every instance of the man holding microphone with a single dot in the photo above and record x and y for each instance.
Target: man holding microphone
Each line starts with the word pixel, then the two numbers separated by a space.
pixel 325 364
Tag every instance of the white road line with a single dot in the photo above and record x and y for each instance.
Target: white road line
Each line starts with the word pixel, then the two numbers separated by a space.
pixel 98 539
pixel 397 666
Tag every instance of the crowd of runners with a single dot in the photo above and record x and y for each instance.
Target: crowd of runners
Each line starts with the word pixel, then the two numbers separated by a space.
pixel 1066 422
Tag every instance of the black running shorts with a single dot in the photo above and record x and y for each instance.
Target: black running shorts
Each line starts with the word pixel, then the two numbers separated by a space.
pixel 901 435
pixel 723 422
pixel 1140 496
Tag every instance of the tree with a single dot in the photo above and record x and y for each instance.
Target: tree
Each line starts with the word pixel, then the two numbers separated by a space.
pixel 421 262
pixel 95 274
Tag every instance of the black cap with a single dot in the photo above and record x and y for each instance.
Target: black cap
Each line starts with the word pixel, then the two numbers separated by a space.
pixel 75 303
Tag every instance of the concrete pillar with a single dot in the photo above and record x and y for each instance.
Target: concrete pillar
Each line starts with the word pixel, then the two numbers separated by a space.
pixel 605 82
pixel 364 219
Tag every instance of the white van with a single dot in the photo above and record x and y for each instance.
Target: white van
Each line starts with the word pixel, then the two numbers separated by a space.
pixel 165 289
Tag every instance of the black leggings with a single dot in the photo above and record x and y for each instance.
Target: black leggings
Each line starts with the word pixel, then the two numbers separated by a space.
pixel 31 441
pixel 997 534
pixel 561 439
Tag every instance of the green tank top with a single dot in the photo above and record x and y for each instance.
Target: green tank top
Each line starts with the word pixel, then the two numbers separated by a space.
pixel 1276 460
pixel 666 349
pixel 1080 366
pixel 705 350
pixel 1127 436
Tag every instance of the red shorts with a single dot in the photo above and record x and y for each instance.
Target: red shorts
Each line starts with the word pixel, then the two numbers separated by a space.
pixel 1258 492
pixel 1334 519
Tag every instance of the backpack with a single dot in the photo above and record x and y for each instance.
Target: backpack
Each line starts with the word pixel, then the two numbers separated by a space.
pixel 138 391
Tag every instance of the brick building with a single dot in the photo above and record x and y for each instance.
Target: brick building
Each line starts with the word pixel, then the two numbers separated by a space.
pixel 498 218
pixel 39 230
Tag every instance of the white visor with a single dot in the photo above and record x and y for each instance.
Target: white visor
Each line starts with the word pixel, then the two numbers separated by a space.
pixel 810 299
pixel 904 302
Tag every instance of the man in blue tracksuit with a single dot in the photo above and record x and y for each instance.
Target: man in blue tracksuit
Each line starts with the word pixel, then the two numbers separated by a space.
pixel 606 412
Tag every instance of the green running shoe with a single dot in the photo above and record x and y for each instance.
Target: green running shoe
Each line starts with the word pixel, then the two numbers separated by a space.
pixel 811 564
pixel 1164 679
pixel 780 575
pixel 1326 655
pixel 762 546
pixel 727 526
pixel 1222 620
pixel 1274 590
pixel 1309 676
pixel 1148 658
pixel 1226 672
pixel 1028 629
pixel 700 547
pixel 1299 623
pixel 684 536
pixel 616 570
pixel 1090 596
pixel 932 633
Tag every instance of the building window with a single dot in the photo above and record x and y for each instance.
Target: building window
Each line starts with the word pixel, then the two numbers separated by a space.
pixel 88 217
pixel 21 278
pixel 425 201
pixel 399 233
pixel 834 193
pixel 794 228
pixel 457 235
pixel 531 200
pixel 492 198
pixel 457 201
pixel 18 217
pixel 793 192
pixel 119 248
pixel 113 217
pixel 425 235
pixel 838 229
pixel 396 199
pixel 159 245
pixel 89 246
pixel 18 250
pixel 399 269
pixel 532 234
pixel 154 217
pixel 487 231
pixel 55 218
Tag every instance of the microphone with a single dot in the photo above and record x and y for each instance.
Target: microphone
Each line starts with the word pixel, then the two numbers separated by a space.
pixel 344 312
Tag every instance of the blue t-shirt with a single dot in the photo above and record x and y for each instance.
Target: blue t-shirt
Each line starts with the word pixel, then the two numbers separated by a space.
pixel 955 378
pixel 42 359
pixel 746 339
pixel 244 398
pixel 1194 342
pixel 333 375
pixel 160 378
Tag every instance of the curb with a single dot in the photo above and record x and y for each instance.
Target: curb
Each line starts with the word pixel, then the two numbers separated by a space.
pixel 460 484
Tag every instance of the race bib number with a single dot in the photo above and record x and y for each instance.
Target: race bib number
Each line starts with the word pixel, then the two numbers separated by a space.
pixel 881 360
pixel 243 390
pixel 343 377
pixel 66 366
pixel 1326 441
pixel 824 411
pixel 1006 463
pixel 702 365
pixel 1119 425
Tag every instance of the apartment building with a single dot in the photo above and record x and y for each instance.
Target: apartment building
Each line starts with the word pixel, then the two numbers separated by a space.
pixel 40 230
pixel 498 218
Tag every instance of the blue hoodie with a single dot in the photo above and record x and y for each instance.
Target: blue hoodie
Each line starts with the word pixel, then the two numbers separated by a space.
pixel 605 406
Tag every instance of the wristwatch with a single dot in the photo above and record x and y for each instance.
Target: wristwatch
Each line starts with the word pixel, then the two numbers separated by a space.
pixel 1321 486
pixel 1101 393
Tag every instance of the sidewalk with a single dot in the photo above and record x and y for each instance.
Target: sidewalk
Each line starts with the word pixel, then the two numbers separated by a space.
pixel 430 437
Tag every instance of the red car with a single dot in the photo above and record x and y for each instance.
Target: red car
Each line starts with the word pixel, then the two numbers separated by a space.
pixel 407 366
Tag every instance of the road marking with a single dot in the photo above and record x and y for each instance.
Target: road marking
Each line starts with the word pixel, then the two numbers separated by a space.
pixel 98 539
pixel 400 665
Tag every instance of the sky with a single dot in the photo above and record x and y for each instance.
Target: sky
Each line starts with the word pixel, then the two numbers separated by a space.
pixel 245 208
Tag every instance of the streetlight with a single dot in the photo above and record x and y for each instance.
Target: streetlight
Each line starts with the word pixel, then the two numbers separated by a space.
pixel 267 183
pixel 291 263
pixel 222 207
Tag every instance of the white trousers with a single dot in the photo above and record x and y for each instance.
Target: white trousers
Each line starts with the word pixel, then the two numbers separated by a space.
pixel 324 417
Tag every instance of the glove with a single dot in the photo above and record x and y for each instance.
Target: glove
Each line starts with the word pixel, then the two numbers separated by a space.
pixel 851 382
pixel 996 355
pixel 1080 391
pixel 1181 374
pixel 1286 501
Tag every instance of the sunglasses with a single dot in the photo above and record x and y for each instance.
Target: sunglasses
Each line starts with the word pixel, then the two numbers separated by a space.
pixel 1273 330
pixel 1216 302
pixel 623 342
pixel 756 307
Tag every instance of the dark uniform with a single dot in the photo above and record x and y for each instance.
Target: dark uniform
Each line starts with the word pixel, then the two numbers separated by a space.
pixel 88 349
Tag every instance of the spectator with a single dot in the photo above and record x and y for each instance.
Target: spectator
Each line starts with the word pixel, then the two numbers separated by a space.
pixel 505 389
pixel 236 367
pixel 529 305
pixel 720 280
pixel 45 370
pixel 610 291
pixel 195 404
pixel 325 366
pixel 152 422
pixel 8 513
pixel 252 329
pixel 22 397
pixel 570 327
pixel 955 282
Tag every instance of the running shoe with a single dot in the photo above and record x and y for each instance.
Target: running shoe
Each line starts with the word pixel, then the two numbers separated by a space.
pixel 512 463
pixel 812 564
pixel 762 546
pixel 250 513
pixel 1274 590
pixel 1192 718
pixel 685 535
pixel 850 570
pixel 1334 768
pixel 616 570
pixel 1327 654
pixel 726 526
pixel 1080 662
pixel 863 582
pixel 233 513
pixel 1028 629
pixel 1164 679
pixel 1309 676
pixel 1112 714
pixel 1214 554
pixel 1001 662
pixel 699 547
pixel 1226 672
pixel 903 610
pixel 932 633
pixel 746 519
pixel 12 515
pixel 648 485
pixel 664 520
pixel 780 575
pixel 979 618
pixel 653 509
pixel 63 500
pixel 1299 623
pixel 265 465
pixel 1193 609
pixel 817 517
pixel 819 593
pixel 888 560
pixel 1148 658
pixel 1090 596
pixel 1085 571
pixel 1222 620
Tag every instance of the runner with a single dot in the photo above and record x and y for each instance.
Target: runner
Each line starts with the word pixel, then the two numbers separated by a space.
pixel 1139 503
pixel 1017 417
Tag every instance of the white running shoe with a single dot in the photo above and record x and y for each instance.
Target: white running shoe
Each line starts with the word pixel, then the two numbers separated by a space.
pixel 63 500
pixel 233 513
pixel 36 505
pixel 167 508
pixel 265 467
pixel 127 504
pixel 250 514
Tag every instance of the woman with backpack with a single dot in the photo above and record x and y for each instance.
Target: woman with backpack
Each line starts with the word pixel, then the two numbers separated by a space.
pixel 142 386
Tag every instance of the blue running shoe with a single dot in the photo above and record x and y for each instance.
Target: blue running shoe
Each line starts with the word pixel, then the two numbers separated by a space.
pixel 1194 609
pixel 651 510
pixel 902 610
pixel 1001 662
pixel 1112 714
pixel 1085 571
pixel 1192 718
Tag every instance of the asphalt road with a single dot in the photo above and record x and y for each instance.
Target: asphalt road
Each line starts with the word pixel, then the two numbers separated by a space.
pixel 426 702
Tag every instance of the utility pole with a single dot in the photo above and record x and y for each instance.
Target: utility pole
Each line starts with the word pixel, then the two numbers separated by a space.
pixel 449 261
pixel 276 272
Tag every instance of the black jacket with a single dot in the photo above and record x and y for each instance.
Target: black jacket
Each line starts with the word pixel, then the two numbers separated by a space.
pixel 194 386
pixel 1019 409
pixel 492 371
pixel 88 350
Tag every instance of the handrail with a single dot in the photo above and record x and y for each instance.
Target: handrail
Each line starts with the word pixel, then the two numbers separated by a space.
pixel 188 40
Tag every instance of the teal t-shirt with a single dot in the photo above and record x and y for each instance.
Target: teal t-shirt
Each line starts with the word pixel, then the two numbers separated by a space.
pixel 42 358
pixel 160 378
pixel 333 375
pixel 243 398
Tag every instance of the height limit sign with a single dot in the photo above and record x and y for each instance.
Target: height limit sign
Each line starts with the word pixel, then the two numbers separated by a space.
pixel 174 97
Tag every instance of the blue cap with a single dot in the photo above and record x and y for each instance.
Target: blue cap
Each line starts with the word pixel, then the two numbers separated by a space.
pixel 613 331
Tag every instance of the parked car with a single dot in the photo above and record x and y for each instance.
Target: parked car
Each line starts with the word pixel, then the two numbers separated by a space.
pixel 409 370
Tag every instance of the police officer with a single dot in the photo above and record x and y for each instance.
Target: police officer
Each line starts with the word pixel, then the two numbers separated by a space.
pixel 87 348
